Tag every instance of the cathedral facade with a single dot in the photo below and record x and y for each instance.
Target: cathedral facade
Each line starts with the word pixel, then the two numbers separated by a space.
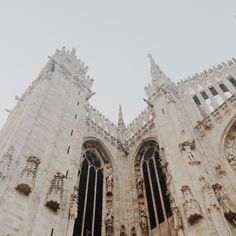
pixel 66 170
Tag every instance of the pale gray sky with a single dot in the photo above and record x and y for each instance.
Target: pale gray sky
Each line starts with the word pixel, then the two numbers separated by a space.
pixel 113 38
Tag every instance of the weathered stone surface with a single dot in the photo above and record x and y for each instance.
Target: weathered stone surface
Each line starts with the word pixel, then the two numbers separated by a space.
pixel 44 141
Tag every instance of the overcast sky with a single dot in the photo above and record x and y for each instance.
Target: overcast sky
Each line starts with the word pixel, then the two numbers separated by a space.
pixel 113 38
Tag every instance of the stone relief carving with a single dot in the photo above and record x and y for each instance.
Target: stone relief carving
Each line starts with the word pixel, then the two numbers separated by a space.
pixel 225 203
pixel 73 203
pixel 55 193
pixel 109 181
pixel 188 148
pixel 139 182
pixel 143 221
pixel 165 166
pixel 191 206
pixel 208 124
pixel 6 161
pixel 133 231
pixel 219 171
pixel 200 129
pixel 178 224
pixel 232 160
pixel 109 223
pixel 28 175
pixel 208 194
pixel 123 231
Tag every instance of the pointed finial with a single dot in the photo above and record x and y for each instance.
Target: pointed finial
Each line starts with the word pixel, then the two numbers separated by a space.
pixel 152 62
pixel 121 123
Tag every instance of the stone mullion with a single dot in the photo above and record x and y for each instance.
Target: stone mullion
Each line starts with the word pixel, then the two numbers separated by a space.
pixel 94 201
pixel 152 195
pixel 203 103
pixel 160 191
pixel 85 199
pixel 228 84
pixel 210 95
pixel 219 90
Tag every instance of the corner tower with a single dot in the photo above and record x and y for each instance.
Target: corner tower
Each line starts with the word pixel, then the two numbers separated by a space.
pixel 39 146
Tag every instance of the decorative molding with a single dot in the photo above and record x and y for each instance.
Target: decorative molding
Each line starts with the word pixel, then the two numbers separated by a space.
pixel 55 193
pixel 28 175
pixel 6 162
pixel 73 203
pixel 225 203
pixel 216 117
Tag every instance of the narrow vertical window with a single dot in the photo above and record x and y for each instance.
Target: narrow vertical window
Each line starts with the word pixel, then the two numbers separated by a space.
pixel 213 91
pixel 89 220
pixel 204 95
pixel 68 150
pixel 217 97
pixel 155 187
pixel 232 80
pixel 196 100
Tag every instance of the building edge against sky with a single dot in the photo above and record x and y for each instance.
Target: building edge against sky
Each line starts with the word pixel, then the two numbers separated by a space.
pixel 65 169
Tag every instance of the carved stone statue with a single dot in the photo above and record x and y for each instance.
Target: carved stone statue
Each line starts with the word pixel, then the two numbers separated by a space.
pixel 188 147
pixel 55 193
pixel 208 194
pixel 216 224
pixel 109 182
pixel 109 223
pixel 139 182
pixel 73 204
pixel 28 175
pixel 200 129
pixel 133 231
pixel 208 124
pixel 225 203
pixel 219 171
pixel 142 217
pixel 232 160
pixel 165 166
pixel 176 214
pixel 143 222
pixel 6 161
pixel 191 207
pixel 123 231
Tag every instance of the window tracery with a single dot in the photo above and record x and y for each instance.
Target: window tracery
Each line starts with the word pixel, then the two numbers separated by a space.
pixel 152 174
pixel 95 183
pixel 230 147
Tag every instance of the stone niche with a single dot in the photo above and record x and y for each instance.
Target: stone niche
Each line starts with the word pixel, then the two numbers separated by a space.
pixel 28 176
pixel 55 193
pixel 191 206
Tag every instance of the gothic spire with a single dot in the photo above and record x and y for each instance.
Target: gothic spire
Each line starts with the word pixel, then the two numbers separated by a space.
pixel 158 77
pixel 121 123
pixel 155 70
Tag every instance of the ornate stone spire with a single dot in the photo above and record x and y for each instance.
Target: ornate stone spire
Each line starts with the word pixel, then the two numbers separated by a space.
pixel 121 123
pixel 157 74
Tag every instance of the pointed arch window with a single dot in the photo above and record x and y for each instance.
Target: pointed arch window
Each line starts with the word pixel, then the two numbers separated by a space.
pixel 155 187
pixel 90 197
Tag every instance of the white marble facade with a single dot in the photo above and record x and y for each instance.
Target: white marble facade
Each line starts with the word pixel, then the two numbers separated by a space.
pixel 191 125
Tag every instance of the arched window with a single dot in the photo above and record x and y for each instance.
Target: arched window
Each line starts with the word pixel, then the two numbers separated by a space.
pixel 148 162
pixel 90 196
